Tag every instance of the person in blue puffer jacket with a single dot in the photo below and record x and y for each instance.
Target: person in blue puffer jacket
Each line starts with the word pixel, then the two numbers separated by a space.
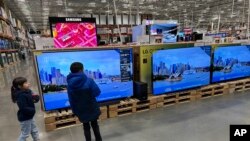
pixel 82 93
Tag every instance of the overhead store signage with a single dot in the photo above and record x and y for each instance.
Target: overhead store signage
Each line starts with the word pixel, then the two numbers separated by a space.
pixel 70 19
pixel 73 19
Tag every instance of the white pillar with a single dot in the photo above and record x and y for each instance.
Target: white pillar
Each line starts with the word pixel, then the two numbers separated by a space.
pixel 119 30
pixel 218 28
pixel 137 12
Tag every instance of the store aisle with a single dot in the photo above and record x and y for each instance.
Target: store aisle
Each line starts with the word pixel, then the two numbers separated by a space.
pixel 203 120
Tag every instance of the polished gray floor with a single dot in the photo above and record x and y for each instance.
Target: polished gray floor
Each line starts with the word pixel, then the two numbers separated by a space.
pixel 205 120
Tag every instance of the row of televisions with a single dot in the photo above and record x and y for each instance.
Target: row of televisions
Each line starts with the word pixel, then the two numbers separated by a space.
pixel 112 69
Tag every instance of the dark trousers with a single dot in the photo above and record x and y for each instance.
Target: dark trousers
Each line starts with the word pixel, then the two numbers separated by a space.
pixel 95 127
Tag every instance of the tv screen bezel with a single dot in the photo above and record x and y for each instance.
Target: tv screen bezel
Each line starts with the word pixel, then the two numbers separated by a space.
pixel 212 67
pixel 191 88
pixel 102 103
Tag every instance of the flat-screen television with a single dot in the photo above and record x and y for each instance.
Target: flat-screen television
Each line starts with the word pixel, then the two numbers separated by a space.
pixel 110 69
pixel 73 32
pixel 181 68
pixel 168 32
pixel 231 62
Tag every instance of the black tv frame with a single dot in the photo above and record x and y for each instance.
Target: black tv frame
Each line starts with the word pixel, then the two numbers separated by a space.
pixel 103 103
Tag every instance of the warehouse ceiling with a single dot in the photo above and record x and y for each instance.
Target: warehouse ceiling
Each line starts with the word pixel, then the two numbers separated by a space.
pixel 197 13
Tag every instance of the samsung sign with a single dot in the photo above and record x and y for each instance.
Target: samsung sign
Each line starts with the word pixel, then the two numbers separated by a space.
pixel 73 19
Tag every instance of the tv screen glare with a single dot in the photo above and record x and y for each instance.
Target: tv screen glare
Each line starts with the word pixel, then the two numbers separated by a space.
pixel 110 69
pixel 179 69
pixel 231 62
pixel 168 32
pixel 68 35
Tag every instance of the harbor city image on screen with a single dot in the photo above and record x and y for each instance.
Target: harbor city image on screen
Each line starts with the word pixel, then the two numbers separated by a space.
pixel 110 69
pixel 178 69
pixel 231 62
pixel 74 35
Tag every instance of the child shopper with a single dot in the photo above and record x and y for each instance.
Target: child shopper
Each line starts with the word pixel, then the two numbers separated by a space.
pixel 22 95
pixel 82 92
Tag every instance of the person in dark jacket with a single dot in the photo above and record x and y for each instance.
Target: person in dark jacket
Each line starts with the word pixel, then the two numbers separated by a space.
pixel 22 95
pixel 82 92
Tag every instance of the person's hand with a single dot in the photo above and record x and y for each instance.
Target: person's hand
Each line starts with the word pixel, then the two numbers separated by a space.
pixel 35 98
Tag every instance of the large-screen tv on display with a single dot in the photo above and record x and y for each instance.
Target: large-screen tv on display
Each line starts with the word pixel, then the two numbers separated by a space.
pixel 231 62
pixel 73 32
pixel 167 31
pixel 181 68
pixel 110 69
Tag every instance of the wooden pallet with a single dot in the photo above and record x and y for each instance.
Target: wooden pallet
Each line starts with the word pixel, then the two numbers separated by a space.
pixel 60 120
pixel 125 107
pixel 146 105
pixel 166 100
pixel 183 97
pixel 104 113
pixel 212 90
pixel 239 86
pixel 176 98
pixel 132 106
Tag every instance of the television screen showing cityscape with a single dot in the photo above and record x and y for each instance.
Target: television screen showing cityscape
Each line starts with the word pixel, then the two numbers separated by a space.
pixel 231 62
pixel 74 35
pixel 182 68
pixel 110 69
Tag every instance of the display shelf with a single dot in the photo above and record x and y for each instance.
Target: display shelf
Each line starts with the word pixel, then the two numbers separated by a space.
pixel 9 50
pixel 6 20
pixel 6 37
pixel 107 32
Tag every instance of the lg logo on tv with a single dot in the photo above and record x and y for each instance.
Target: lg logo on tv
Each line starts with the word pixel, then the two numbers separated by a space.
pixel 239 132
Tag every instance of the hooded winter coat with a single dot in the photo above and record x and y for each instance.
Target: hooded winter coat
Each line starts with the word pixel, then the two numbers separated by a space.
pixel 25 104
pixel 82 92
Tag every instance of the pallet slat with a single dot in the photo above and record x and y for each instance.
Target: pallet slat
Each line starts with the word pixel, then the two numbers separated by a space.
pixel 132 106
pixel 212 90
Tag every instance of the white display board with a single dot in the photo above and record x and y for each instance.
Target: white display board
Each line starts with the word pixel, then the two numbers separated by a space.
pixel 44 43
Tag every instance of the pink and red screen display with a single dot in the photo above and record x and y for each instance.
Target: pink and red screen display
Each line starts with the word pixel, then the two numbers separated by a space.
pixel 67 35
